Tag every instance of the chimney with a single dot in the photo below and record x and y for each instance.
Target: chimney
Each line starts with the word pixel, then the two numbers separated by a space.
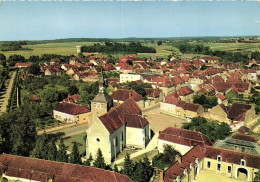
pixel 161 176
pixel 178 158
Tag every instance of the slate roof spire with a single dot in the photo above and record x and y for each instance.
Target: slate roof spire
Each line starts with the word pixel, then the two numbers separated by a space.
pixel 101 82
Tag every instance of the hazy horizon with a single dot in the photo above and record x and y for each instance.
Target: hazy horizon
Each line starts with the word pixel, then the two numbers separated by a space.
pixel 31 20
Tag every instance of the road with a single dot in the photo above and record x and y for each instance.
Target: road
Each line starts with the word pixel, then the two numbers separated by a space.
pixel 6 95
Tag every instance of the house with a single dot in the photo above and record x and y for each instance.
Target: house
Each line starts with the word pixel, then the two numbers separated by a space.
pixel 154 95
pixel 181 140
pixel 224 162
pixel 52 71
pixel 120 126
pixel 121 95
pixel 240 143
pixel 35 100
pixel 22 65
pixel 18 168
pixel 186 94
pixel 235 113
pixel 71 113
pixel 130 77
pixel 176 107
pixel 72 98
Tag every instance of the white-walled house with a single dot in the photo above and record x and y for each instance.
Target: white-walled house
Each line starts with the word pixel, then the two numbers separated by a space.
pixel 71 113
pixel 130 77
pixel 182 140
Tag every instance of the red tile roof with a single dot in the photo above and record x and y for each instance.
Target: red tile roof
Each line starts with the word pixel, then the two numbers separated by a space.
pixel 232 156
pixel 184 137
pixel 73 109
pixel 42 170
pixel 72 98
pixel 22 64
pixel 123 95
pixel 126 113
pixel 244 138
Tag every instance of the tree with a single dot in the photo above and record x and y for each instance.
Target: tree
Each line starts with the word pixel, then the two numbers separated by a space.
pixel 115 168
pixel 52 150
pixel 2 57
pixel 168 154
pixel 73 90
pixel 34 69
pixel 40 150
pixel 148 167
pixel 128 166
pixel 159 42
pixel 99 162
pixel 257 176
pixel 62 152
pixel 34 59
pixel 74 156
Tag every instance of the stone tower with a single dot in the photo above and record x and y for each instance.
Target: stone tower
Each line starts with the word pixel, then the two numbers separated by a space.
pixel 78 49
pixel 102 102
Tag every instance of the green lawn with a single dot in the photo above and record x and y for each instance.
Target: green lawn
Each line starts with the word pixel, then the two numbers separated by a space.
pixel 77 138
pixel 150 155
pixel 233 47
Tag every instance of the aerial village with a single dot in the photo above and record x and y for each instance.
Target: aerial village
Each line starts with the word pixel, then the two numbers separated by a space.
pixel 180 97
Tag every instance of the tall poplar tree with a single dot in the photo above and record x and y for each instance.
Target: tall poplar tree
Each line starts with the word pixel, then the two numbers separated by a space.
pixel 62 152
pixel 75 156
pixel 99 162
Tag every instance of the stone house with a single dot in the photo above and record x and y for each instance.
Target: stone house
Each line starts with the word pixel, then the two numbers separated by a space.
pixel 121 95
pixel 235 113
pixel 71 113
pixel 182 140
pixel 176 107
pixel 221 161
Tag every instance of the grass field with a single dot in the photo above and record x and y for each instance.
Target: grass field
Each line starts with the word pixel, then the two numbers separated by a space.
pixel 162 51
pixel 234 47
pixel 70 48
pixel 51 48
pixel 79 139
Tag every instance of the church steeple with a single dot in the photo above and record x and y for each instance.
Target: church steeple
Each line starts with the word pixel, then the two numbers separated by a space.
pixel 101 82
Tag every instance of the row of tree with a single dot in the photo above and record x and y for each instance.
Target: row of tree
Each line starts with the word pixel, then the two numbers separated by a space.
pixel 110 48
pixel 13 46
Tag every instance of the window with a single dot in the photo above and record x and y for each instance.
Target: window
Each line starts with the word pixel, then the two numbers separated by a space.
pixel 243 162
pixel 122 136
pixel 243 149
pixel 229 169
pixel 208 164
pixel 219 158
pixel 218 167
pixel 98 140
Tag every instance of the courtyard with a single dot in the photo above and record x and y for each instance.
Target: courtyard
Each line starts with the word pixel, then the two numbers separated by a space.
pixel 159 121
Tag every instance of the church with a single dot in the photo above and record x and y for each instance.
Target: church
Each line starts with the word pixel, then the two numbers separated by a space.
pixel 113 128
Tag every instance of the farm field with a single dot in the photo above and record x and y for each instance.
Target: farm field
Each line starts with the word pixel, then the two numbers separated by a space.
pixel 69 48
pixel 51 48
pixel 234 47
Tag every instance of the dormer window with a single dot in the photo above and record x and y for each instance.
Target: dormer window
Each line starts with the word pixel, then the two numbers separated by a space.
pixel 243 162
pixel 219 158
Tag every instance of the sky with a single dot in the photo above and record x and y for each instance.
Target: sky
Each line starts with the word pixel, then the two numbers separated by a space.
pixel 42 20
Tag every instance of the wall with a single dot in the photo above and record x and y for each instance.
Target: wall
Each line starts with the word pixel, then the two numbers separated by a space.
pixel 183 149
pixel 137 136
pixel 98 131
pixel 129 77
pixel 117 140
pixel 64 117
pixel 224 168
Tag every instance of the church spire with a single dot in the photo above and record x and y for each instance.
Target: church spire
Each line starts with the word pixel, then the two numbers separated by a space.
pixel 101 82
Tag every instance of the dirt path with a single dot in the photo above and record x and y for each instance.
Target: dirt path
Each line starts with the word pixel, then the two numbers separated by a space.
pixel 6 95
